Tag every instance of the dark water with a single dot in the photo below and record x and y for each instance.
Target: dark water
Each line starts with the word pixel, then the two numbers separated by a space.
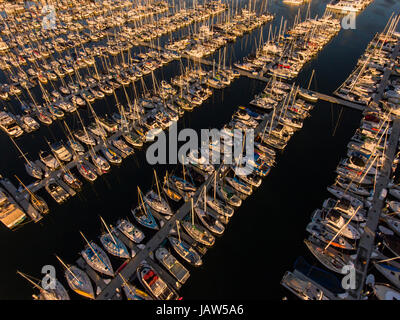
pixel 265 236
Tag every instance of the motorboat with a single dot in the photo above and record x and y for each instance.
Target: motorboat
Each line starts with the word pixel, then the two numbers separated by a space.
pixel 130 231
pixel 155 285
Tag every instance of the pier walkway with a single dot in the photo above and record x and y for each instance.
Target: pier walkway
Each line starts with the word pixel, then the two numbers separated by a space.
pixel 367 241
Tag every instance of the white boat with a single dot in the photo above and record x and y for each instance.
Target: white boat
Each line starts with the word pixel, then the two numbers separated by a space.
pixel 210 221
pixel 219 206
pixel 384 291
pixel 176 268
pixel 61 152
pixel 156 286
pixel 114 245
pixel 185 251
pixel 97 259
pixel 198 233
pixel 130 231
pixel 334 221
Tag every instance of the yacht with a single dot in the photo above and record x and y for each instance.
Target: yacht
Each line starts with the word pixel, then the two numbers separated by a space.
pixel 333 220
pixel 114 245
pixel 111 156
pixel 130 231
pixel 79 281
pixel 219 206
pixel 101 163
pixel 9 125
pixel 168 261
pixel 157 203
pixel 84 137
pixel 229 196
pixel 156 286
pixel 86 171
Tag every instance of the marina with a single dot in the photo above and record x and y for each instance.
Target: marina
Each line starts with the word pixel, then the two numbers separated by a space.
pixel 84 105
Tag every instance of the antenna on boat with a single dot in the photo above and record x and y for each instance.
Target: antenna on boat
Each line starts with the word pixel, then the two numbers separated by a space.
pixel 192 211
pixel 177 229
pixel 141 199
pixel 205 198
pixel 158 188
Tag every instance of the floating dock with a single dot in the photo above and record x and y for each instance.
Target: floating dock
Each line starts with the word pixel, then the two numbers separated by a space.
pixel 367 240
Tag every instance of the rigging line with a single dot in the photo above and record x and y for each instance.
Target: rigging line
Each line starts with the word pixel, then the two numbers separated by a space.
pixel 337 124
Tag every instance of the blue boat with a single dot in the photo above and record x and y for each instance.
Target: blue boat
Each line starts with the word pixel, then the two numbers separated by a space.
pixel 144 216
pixel 114 245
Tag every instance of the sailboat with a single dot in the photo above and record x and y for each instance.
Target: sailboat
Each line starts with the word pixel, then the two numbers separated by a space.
pixel 185 251
pixel 170 192
pixel 133 293
pixel 210 221
pixel 96 258
pixel 56 293
pixel 142 214
pixel 113 244
pixel 156 201
pixel 37 202
pixel 198 232
pixel 78 280
pixel 307 94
